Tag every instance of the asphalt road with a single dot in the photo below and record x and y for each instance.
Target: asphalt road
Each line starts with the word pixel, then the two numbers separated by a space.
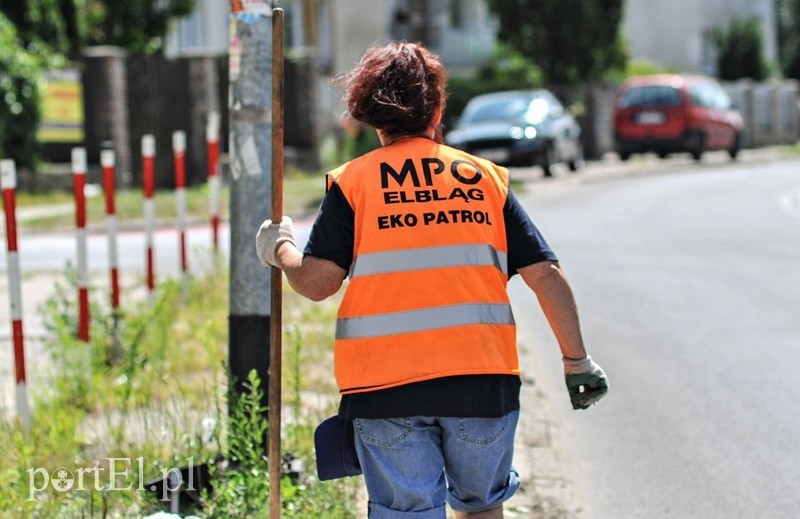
pixel 688 284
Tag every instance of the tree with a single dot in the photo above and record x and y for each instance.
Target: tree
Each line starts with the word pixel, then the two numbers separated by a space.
pixel 571 40
pixel 66 26
pixel 740 50
pixel 788 13
pixel 38 34
pixel 139 26
pixel 21 67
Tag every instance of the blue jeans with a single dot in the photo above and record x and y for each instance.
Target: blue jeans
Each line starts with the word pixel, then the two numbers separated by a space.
pixel 413 465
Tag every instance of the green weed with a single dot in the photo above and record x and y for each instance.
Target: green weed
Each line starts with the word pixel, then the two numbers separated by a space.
pixel 152 385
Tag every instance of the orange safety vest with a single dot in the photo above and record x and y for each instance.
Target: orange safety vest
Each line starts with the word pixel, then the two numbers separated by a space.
pixel 427 293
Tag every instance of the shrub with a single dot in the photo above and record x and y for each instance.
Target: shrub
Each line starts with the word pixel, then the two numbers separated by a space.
pixel 740 50
pixel 509 70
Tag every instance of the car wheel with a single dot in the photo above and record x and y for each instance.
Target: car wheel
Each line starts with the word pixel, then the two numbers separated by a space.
pixel 545 159
pixel 734 149
pixel 576 162
pixel 623 155
pixel 662 154
pixel 697 151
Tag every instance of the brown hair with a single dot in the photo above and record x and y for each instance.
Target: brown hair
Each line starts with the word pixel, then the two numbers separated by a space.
pixel 396 88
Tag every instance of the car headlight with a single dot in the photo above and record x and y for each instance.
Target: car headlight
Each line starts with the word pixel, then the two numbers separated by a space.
pixel 516 132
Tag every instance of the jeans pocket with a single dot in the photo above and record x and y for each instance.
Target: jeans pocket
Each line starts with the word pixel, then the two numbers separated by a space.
pixel 384 432
pixel 483 431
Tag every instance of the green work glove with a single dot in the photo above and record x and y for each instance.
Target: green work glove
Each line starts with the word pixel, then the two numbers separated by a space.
pixel 586 381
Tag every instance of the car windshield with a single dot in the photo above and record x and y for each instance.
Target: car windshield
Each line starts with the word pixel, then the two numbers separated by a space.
pixel 655 95
pixel 530 108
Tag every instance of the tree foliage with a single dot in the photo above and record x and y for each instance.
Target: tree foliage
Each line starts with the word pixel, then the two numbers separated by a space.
pixel 788 13
pixel 36 34
pixel 66 26
pixel 137 25
pixel 571 40
pixel 740 50
pixel 53 23
pixel 21 69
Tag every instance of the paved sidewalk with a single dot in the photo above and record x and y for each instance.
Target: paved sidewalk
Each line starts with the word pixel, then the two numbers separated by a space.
pixel 545 491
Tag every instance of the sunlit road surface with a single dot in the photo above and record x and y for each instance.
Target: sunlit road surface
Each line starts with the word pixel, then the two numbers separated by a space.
pixel 688 284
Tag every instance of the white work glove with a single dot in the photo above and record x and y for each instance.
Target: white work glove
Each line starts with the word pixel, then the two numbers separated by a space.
pixel 269 238
pixel 586 381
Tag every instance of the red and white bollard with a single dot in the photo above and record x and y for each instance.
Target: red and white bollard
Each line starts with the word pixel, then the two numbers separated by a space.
pixel 108 162
pixel 8 183
pixel 179 152
pixel 79 176
pixel 212 141
pixel 148 176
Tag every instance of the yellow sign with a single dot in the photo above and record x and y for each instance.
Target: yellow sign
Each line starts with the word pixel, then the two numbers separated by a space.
pixel 61 108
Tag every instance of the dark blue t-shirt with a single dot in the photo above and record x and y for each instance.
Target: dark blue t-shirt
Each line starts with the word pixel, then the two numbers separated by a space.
pixel 332 237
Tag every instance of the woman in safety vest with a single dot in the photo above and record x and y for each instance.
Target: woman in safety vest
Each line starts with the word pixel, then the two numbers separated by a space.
pixel 425 354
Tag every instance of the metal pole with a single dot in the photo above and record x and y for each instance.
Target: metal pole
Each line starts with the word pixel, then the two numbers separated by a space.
pixel 79 175
pixel 275 355
pixel 212 142
pixel 179 155
pixel 250 190
pixel 8 183
pixel 108 164
pixel 148 177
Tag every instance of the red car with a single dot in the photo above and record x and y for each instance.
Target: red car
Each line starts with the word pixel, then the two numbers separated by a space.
pixel 675 113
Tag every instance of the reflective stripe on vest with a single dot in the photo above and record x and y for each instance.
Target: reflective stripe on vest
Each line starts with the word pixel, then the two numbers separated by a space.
pixel 428 258
pixel 423 320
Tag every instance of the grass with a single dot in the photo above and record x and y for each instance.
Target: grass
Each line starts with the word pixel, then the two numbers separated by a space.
pixel 153 386
pixel 302 194
pixel 790 150
pixel 163 398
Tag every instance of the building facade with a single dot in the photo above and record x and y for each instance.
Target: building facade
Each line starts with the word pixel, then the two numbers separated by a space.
pixel 675 34
pixel 325 38
pixel 462 32
pixel 678 34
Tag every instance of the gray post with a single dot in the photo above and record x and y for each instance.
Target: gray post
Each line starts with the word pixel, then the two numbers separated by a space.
pixel 251 194
pixel 203 89
pixel 107 117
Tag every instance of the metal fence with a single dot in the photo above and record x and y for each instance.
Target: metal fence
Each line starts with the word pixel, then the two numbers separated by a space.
pixel 769 110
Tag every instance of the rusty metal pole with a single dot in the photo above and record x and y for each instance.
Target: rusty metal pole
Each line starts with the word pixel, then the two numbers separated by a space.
pixel 275 353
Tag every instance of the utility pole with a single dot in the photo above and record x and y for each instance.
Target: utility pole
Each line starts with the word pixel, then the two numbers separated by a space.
pixel 250 146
